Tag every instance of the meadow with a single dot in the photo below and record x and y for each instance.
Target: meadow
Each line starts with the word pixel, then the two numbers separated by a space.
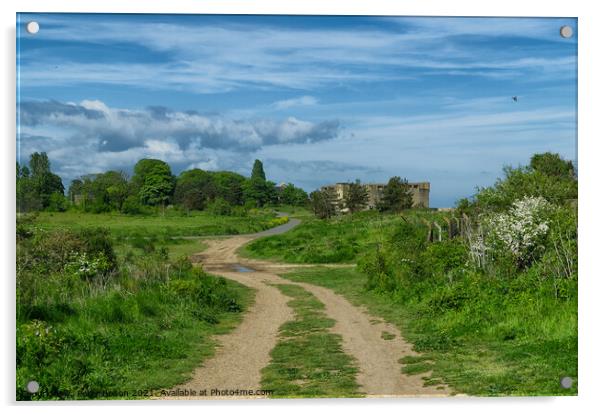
pixel 104 315
pixel 341 239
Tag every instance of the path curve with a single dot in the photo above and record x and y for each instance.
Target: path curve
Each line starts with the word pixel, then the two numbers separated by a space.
pixel 242 353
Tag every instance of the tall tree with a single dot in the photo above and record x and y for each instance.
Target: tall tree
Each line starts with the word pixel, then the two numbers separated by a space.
pixel 397 195
pixel 194 188
pixel 153 181
pixel 257 190
pixel 258 170
pixel 322 203
pixel 229 186
pixel 356 198
pixel 293 196
pixel 27 199
pixel 39 181
pixel 39 164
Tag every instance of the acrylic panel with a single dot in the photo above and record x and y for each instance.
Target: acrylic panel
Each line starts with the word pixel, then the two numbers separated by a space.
pixel 275 206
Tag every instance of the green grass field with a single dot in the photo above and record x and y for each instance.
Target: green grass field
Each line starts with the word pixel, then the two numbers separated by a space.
pixel 172 224
pixel 308 360
pixel 180 234
pixel 490 345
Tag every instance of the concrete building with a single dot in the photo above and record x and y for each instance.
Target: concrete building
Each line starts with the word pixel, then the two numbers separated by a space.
pixel 420 194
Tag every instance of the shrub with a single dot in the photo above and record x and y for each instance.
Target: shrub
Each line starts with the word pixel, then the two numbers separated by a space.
pixel 219 207
pixel 521 231
pixel 132 206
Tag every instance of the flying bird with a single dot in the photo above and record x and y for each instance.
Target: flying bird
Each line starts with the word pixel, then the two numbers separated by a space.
pixel 515 98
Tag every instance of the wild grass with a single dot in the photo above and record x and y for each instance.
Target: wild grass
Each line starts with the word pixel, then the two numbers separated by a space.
pixel 172 224
pixel 308 360
pixel 485 337
pixel 342 239
pixel 91 328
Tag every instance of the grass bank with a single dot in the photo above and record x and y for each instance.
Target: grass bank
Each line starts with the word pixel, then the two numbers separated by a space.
pixel 342 239
pixel 94 325
pixel 479 335
pixel 308 360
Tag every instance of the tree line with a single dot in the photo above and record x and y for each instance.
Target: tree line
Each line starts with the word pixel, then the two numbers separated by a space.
pixel 152 185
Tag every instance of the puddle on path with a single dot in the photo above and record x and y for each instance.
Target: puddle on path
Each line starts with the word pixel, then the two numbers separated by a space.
pixel 242 269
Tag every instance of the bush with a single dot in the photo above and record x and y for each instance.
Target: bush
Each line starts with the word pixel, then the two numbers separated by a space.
pixel 57 203
pixel 132 206
pixel 220 207
pixel 520 232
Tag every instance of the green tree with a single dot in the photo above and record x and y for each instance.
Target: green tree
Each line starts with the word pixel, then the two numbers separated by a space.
pixel 356 197
pixel 57 202
pixel 36 184
pixel 293 196
pixel 322 203
pixel 258 170
pixel 153 182
pixel 194 188
pixel 27 199
pixel 259 192
pixel 552 165
pixel 75 189
pixel 39 164
pixel 397 195
pixel 229 186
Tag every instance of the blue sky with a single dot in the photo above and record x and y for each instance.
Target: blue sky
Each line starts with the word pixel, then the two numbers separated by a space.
pixel 318 99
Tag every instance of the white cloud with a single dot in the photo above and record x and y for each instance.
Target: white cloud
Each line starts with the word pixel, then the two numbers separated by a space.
pixel 295 102
pixel 208 58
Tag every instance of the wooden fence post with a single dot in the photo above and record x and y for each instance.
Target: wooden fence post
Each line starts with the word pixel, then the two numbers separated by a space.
pixel 438 227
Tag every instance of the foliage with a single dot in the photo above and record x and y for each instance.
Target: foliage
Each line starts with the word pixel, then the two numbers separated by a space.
pixel 229 186
pixel 220 207
pixel 153 181
pixel 396 195
pixel 293 196
pixel 257 172
pixel 322 203
pixel 82 335
pixel 100 193
pixel 548 176
pixel 356 197
pixel 552 165
pixel 520 231
pixel 194 188
pixel 36 185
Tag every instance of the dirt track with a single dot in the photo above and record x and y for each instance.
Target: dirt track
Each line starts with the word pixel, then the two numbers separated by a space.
pixel 245 351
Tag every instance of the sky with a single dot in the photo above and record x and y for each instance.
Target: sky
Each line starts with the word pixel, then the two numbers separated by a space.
pixel 319 99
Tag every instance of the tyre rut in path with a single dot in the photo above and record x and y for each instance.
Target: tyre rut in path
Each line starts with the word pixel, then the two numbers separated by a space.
pixel 242 353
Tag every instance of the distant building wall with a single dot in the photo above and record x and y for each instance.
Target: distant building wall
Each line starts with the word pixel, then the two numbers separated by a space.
pixel 420 194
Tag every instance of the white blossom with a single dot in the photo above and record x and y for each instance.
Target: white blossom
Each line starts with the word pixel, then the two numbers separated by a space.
pixel 521 229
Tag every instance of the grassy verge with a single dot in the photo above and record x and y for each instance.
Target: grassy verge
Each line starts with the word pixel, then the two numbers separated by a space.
pixel 341 239
pixel 119 345
pixel 94 325
pixel 308 360
pixel 484 343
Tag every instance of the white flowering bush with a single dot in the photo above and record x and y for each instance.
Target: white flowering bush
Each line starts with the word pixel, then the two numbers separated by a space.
pixel 520 231
pixel 88 267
